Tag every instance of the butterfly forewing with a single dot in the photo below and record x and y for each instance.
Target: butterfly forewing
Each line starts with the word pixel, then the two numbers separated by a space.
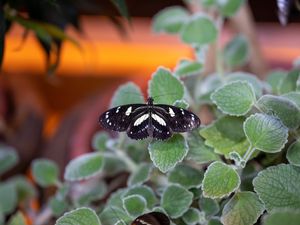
pixel 153 218
pixel 139 126
pixel 180 120
pixel 119 118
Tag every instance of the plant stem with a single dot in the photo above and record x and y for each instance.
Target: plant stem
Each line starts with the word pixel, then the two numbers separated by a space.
pixel 248 153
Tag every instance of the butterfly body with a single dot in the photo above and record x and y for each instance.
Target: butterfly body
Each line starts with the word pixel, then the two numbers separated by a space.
pixel 149 120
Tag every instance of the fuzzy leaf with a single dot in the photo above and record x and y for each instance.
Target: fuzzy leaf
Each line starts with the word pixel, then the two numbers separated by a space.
pixel 170 20
pixel 80 216
pixel 84 167
pixel 128 93
pixel 99 141
pixel 278 186
pixel 294 97
pixel 220 180
pixel 226 135
pixel 164 87
pixel 166 154
pixel 274 79
pixel 144 191
pixel 111 215
pixel 17 219
pixel 45 172
pixel 286 110
pixel 187 68
pixel 236 52
pixel 8 158
pixel 289 82
pixel 198 151
pixel 208 3
pixel 134 205
pixel 58 206
pixel 229 7
pixel 181 104
pixel 176 200
pixel 8 198
pixel 293 153
pixel 243 208
pixel 209 206
pixel 235 98
pixel 199 30
pixel 186 176
pixel 283 216
pixel 192 216
pixel 24 189
pixel 265 133
pixel 141 175
pixel 251 78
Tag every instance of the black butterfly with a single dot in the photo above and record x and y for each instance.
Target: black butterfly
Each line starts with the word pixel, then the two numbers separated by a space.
pixel 153 218
pixel 148 120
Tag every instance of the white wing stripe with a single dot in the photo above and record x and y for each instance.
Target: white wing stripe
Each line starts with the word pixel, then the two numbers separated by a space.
pixel 141 119
pixel 159 119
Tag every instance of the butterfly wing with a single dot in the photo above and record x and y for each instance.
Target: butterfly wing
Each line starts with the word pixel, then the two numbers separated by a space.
pixel 139 125
pixel 119 118
pixel 180 120
pixel 152 218
pixel 160 125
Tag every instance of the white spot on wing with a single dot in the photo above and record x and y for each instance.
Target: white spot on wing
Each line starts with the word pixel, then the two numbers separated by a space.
pixel 106 116
pixel 128 111
pixel 118 109
pixel 182 111
pixel 141 119
pixel 159 119
pixel 171 112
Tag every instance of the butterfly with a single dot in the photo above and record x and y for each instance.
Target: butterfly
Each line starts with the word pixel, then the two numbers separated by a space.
pixel 152 218
pixel 149 120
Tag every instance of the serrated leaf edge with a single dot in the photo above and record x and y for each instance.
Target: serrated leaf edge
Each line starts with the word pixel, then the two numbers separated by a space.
pixel 225 195
pixel 131 196
pixel 72 211
pixel 236 81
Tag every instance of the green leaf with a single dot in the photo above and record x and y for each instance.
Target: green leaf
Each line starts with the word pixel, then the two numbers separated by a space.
pixel 113 165
pixel 214 221
pixel 282 216
pixel 80 216
pixel 8 158
pixel 24 189
pixel 278 186
pixel 134 205
pixel 187 68
pixel 116 197
pixel 181 104
pixel 289 82
pixel 176 200
pixel 229 7
pixel 226 135
pixel 244 208
pixel 199 30
pixel 45 172
pixel 122 8
pixel 186 176
pixel 251 78
pixel 93 192
pixel 112 215
pixel 166 154
pixel 294 97
pixel 220 180
pixel 99 141
pixel 235 98
pixel 141 175
pixel 274 79
pixel 17 219
pixel 208 3
pixel 128 93
pixel 164 87
pixel 192 216
pixel 293 153
pixel 265 133
pixel 287 111
pixel 8 198
pixel 170 19
pixel 236 52
pixel 209 206
pixel 84 167
pixel 146 192
pixel 198 151
pixel 58 206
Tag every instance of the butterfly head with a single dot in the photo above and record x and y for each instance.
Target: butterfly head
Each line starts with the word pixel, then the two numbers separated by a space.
pixel 150 101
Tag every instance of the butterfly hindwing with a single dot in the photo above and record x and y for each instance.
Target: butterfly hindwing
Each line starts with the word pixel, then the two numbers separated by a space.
pixel 160 125
pixel 152 218
pixel 119 118
pixel 180 120
pixel 139 126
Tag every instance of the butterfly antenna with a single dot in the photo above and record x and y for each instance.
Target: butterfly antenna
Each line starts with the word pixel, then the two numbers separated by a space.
pixel 119 219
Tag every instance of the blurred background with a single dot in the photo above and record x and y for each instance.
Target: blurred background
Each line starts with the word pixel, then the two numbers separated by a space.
pixel 51 95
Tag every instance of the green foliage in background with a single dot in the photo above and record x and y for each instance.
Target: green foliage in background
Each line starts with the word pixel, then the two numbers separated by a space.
pixel 241 168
